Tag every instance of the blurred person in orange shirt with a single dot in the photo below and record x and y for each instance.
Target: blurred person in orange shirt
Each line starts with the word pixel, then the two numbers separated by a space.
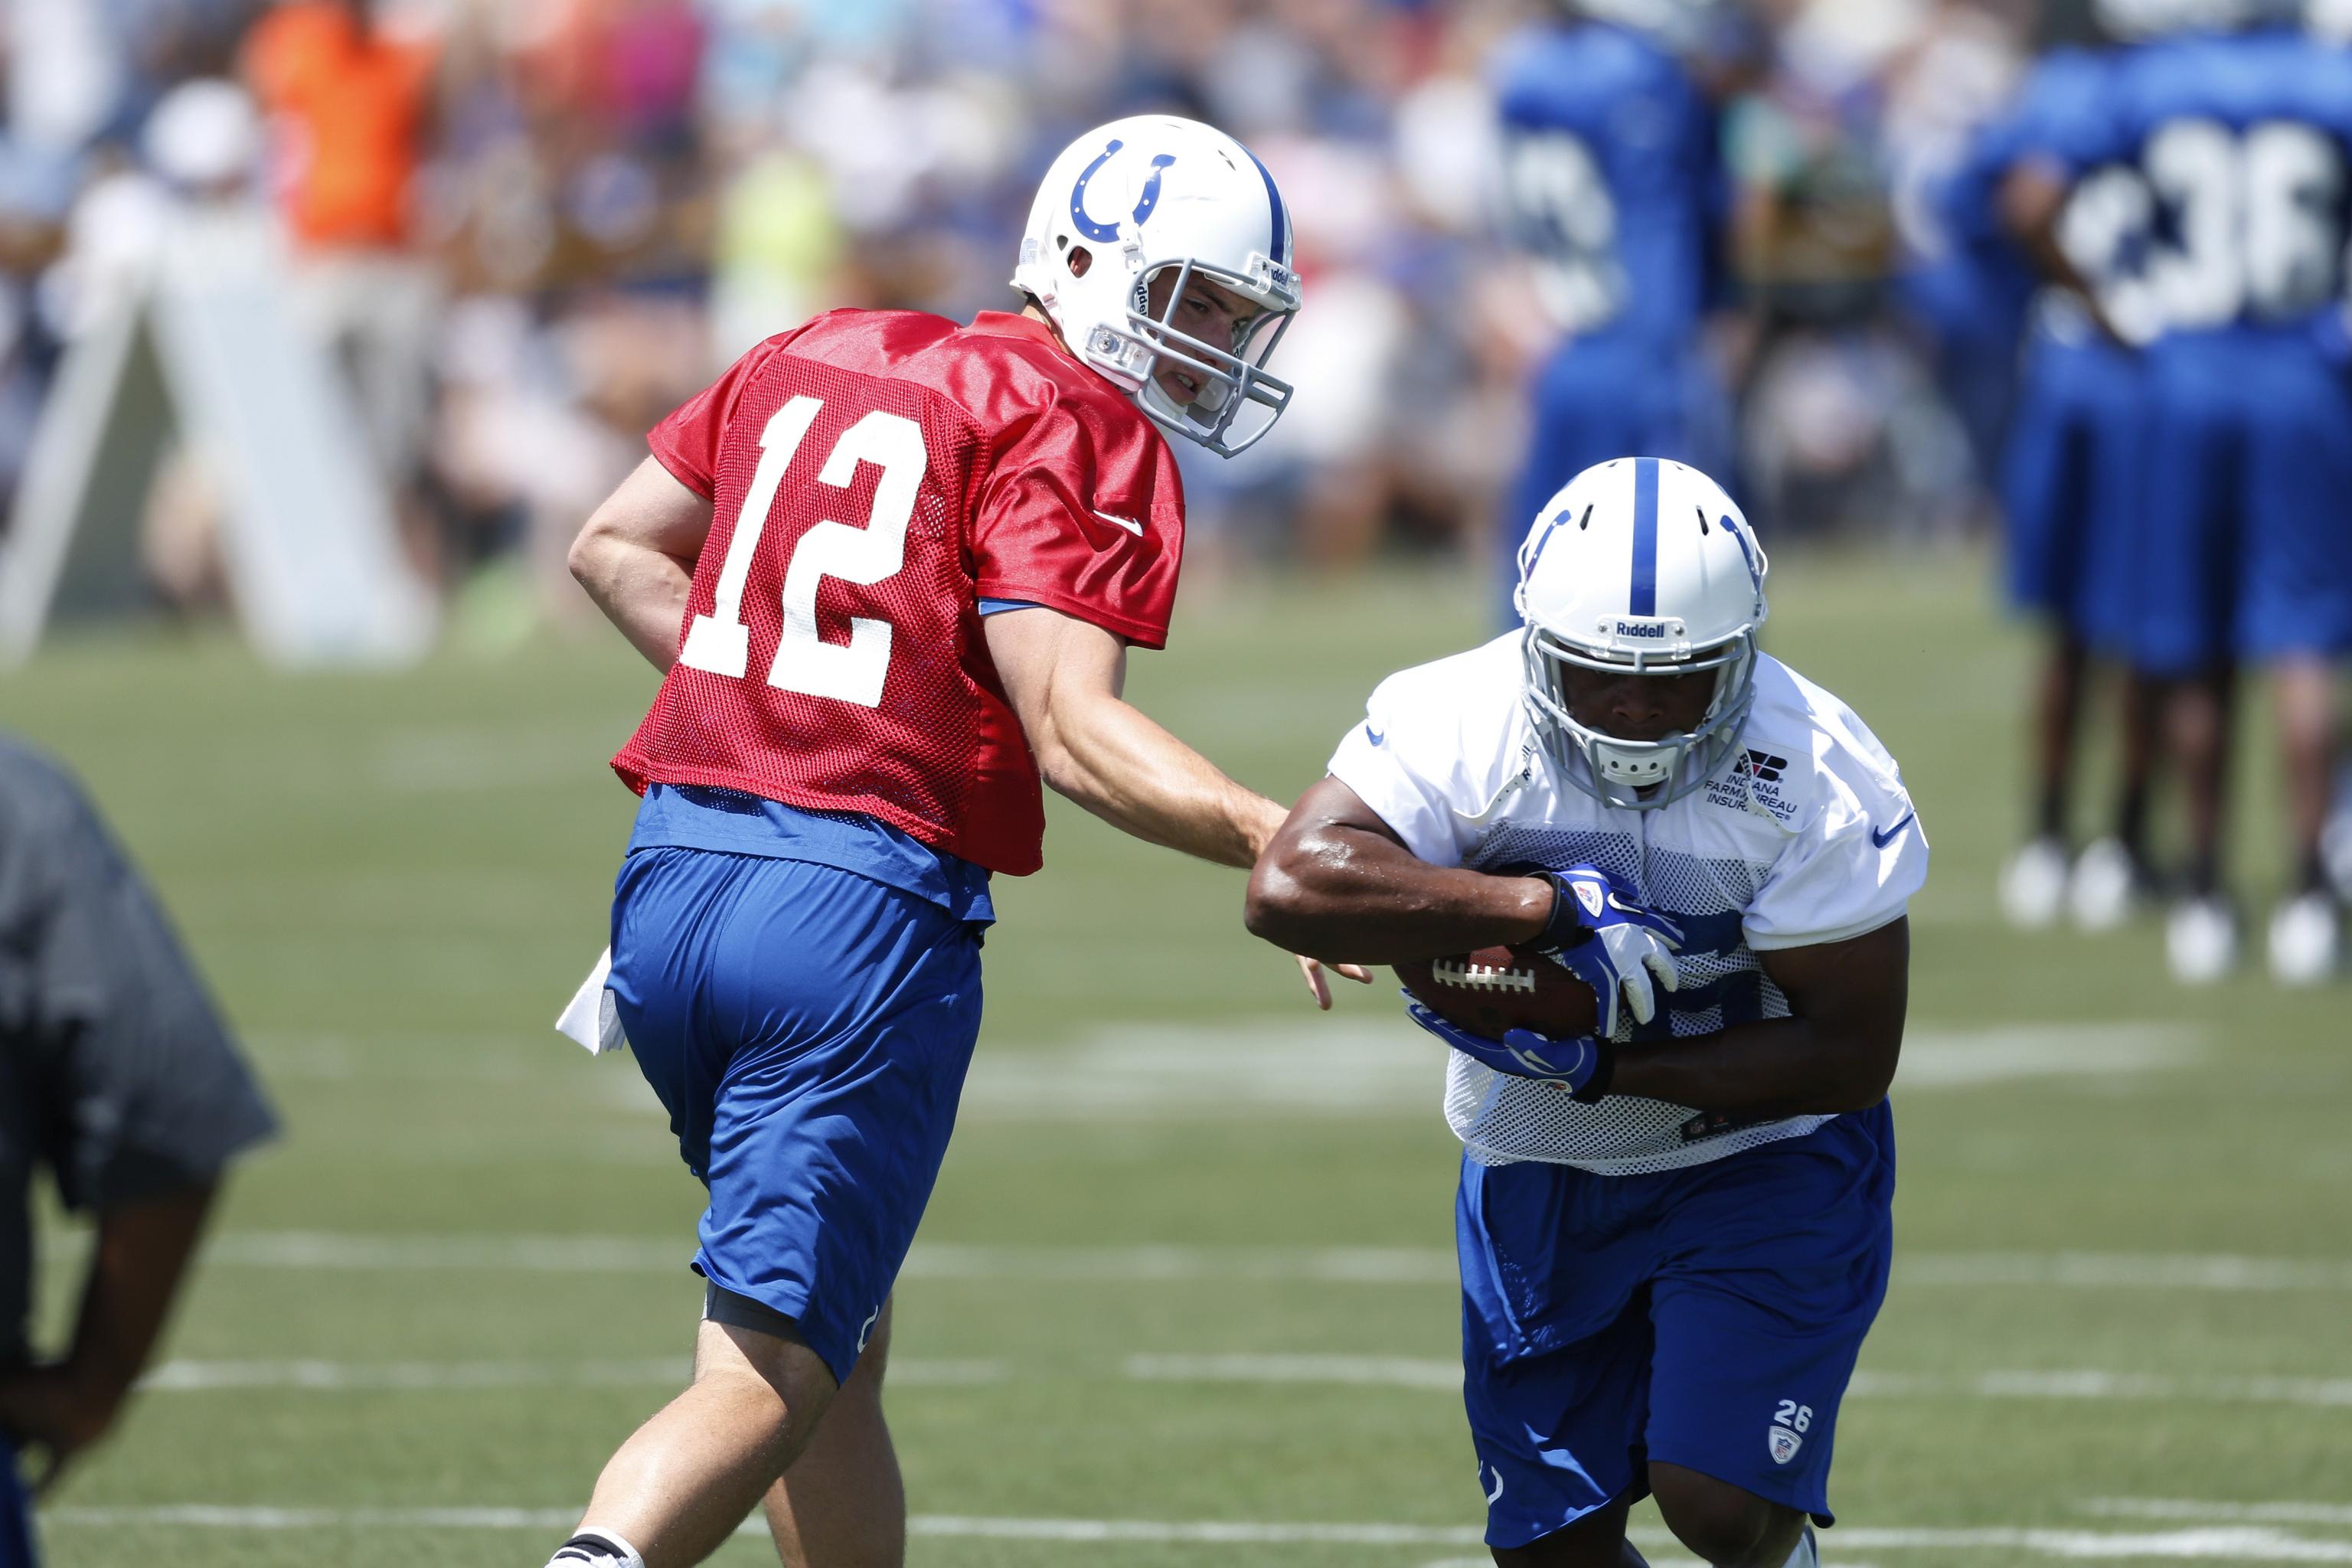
pixel 350 106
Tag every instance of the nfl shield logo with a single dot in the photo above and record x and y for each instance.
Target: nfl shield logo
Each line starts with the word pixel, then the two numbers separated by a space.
pixel 1783 1444
pixel 1590 896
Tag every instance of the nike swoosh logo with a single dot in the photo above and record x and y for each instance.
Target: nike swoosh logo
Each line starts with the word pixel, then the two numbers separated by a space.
pixel 1887 837
pixel 1374 736
pixel 1128 523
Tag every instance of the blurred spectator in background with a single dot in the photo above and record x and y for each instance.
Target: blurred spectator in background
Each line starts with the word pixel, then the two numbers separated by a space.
pixel 117 1079
pixel 532 227
pixel 350 106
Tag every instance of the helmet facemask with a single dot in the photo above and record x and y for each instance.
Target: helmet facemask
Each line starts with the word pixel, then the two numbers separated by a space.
pixel 1639 775
pixel 1239 400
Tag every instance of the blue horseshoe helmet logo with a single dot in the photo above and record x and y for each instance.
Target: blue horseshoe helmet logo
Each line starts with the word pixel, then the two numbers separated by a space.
pixel 1104 233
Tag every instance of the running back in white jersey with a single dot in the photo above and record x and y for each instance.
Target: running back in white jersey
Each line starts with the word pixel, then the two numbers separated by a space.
pixel 1808 838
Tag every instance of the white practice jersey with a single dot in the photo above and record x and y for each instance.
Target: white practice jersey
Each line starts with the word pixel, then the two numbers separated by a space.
pixel 1808 838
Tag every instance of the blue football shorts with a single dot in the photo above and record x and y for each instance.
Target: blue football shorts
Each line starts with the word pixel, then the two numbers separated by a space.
pixel 808 1031
pixel 2070 479
pixel 15 1513
pixel 1708 1317
pixel 2247 548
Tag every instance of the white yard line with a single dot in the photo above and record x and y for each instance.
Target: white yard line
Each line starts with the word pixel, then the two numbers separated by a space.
pixel 1433 1373
pixel 334 1252
pixel 1393 1372
pixel 343 1378
pixel 2124 1270
pixel 2244 1513
pixel 2237 1543
pixel 1937 1058
pixel 1326 1265
pixel 2324 1391
pixel 1269 1066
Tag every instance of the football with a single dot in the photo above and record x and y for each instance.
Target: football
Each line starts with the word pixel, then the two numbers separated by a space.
pixel 1497 989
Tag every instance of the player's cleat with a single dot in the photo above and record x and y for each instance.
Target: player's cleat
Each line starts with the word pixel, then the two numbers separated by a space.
pixel 596 1549
pixel 2034 885
pixel 2335 838
pixel 2201 941
pixel 2306 940
pixel 2106 887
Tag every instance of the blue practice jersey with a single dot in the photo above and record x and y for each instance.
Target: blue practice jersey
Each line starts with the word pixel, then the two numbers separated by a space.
pixel 2245 144
pixel 1614 180
pixel 2063 118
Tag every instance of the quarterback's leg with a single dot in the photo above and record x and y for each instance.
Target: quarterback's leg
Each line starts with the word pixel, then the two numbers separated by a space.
pixel 685 1479
pixel 808 1029
pixel 842 1504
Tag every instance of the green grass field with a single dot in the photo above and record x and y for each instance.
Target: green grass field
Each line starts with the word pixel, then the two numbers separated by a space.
pixel 1186 1282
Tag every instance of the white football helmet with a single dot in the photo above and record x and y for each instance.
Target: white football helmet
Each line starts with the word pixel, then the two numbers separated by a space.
pixel 1679 25
pixel 1645 565
pixel 2134 21
pixel 1140 195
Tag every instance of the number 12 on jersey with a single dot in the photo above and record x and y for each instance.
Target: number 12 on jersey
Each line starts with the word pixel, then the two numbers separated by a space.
pixel 720 642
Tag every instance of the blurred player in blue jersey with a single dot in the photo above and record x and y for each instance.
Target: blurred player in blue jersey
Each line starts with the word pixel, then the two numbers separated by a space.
pixel 2245 140
pixel 1615 189
pixel 2330 23
pixel 2033 201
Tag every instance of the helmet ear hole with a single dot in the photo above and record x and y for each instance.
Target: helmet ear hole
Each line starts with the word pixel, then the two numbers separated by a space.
pixel 1078 259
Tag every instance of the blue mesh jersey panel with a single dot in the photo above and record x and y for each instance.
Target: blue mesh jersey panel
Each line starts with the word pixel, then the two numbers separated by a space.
pixel 1723 983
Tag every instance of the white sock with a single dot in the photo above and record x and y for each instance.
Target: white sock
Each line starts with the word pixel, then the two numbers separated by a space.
pixel 596 1549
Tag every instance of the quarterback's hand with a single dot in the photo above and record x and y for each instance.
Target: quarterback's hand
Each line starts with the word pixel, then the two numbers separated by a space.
pixel 1611 942
pixel 1312 971
pixel 1585 1065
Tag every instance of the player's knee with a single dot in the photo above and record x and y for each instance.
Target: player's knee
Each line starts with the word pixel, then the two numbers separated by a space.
pixel 1721 1523
pixel 866 1377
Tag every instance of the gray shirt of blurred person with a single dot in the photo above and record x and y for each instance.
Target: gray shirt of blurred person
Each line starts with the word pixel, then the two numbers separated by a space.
pixel 117 1078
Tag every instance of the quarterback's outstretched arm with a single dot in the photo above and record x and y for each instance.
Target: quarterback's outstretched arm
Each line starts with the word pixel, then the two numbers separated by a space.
pixel 1337 882
pixel 635 557
pixel 1063 677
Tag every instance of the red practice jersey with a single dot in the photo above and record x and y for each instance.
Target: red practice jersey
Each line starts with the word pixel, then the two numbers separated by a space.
pixel 872 474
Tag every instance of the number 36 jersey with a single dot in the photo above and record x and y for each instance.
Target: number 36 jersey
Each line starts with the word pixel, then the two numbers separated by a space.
pixel 874 475
pixel 2245 141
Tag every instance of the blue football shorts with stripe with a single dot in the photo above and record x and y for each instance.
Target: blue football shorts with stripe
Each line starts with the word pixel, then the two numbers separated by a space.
pixel 808 1030
pixel 1708 1317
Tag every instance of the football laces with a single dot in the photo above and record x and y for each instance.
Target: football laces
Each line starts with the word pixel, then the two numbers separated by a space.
pixel 1482 976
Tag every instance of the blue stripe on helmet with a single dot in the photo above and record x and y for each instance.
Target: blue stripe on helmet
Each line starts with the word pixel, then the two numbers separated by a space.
pixel 1279 249
pixel 1646 538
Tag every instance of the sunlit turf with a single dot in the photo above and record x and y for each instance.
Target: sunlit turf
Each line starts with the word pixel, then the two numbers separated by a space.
pixel 394 881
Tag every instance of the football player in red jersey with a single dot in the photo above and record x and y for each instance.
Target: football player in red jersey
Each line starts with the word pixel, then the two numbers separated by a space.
pixel 891 567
